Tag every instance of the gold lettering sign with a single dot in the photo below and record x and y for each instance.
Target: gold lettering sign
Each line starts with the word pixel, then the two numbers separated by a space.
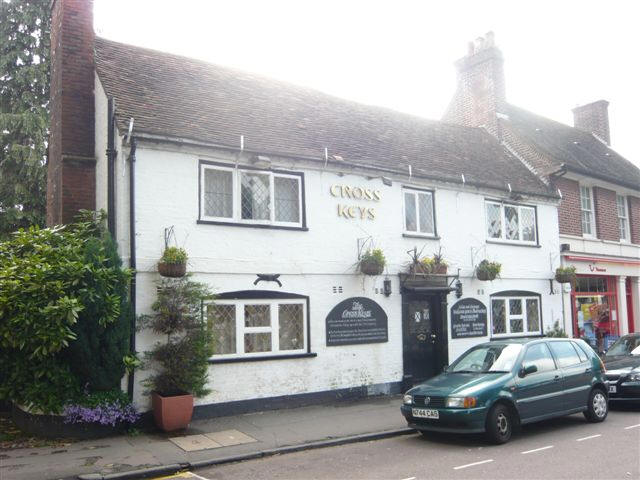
pixel 349 192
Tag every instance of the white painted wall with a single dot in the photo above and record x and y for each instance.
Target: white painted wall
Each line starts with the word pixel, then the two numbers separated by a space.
pixel 312 262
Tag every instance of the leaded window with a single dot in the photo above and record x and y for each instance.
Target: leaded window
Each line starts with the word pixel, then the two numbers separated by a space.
pixel 235 195
pixel 418 212
pixel 245 328
pixel 623 219
pixel 511 223
pixel 515 315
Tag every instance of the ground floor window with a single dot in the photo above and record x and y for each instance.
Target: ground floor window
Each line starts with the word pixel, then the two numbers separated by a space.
pixel 595 310
pixel 249 327
pixel 515 314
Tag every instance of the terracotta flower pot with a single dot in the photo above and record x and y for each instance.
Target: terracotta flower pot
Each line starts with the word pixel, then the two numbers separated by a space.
pixel 440 269
pixel 172 412
pixel 172 270
pixel 371 267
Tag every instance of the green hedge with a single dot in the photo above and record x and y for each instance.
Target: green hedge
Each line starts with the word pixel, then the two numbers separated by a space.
pixel 64 314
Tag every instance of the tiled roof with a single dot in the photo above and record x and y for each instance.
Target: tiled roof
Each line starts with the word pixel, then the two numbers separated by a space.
pixel 180 97
pixel 579 151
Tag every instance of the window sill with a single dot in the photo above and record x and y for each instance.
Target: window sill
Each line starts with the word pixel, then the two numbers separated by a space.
pixel 515 244
pixel 251 225
pixel 261 359
pixel 418 235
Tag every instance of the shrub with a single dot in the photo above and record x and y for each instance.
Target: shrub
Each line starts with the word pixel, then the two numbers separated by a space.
pixel 62 313
pixel 180 363
pixel 556 331
pixel 174 255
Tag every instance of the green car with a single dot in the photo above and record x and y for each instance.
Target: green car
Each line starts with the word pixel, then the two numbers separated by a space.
pixel 499 385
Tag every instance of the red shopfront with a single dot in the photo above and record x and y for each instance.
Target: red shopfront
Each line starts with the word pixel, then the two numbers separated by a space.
pixel 595 310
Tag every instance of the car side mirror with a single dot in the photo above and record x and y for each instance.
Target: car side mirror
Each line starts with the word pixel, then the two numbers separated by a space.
pixel 524 371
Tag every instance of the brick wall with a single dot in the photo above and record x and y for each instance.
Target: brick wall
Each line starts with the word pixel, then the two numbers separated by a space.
pixel 634 218
pixel 569 214
pixel 606 214
pixel 71 163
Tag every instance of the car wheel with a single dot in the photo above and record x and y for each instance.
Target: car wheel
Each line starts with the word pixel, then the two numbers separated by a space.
pixel 499 424
pixel 598 406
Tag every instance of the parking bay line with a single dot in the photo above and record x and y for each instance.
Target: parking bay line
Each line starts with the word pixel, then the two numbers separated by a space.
pixel 536 449
pixel 588 438
pixel 631 426
pixel 459 467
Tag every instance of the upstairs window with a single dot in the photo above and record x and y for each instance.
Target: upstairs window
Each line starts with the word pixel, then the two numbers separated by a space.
pixel 511 223
pixel 419 215
pixel 623 218
pixel 236 195
pixel 586 207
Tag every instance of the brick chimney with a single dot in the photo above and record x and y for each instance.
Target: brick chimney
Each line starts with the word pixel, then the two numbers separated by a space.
pixel 71 180
pixel 594 118
pixel 480 93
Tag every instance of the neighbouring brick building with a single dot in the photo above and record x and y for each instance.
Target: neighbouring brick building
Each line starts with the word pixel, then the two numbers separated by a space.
pixel 599 216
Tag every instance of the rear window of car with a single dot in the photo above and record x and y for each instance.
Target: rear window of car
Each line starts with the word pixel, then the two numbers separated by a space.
pixel 565 354
pixel 581 354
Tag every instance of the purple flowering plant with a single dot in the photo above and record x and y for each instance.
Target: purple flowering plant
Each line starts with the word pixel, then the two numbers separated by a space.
pixel 105 408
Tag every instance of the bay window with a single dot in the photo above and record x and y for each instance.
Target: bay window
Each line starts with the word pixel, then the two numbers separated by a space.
pixel 243 196
pixel 510 222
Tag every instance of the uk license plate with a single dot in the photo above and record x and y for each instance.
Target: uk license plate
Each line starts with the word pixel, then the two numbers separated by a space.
pixel 425 413
pixel 612 389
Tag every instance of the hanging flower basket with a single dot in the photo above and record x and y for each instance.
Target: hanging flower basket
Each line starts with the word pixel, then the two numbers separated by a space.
pixel 566 275
pixel 371 267
pixel 172 270
pixel 488 271
pixel 485 276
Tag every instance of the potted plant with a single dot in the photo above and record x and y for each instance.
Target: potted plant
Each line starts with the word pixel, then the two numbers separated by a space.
pixel 372 262
pixel 487 270
pixel 428 265
pixel 566 275
pixel 438 264
pixel 180 364
pixel 173 262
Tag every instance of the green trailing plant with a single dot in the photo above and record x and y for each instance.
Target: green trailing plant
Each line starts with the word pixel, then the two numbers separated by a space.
pixel 180 363
pixel 487 270
pixel 556 331
pixel 372 262
pixel 63 313
pixel 174 255
pixel 566 274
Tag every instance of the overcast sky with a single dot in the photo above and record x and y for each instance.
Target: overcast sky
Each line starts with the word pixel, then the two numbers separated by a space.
pixel 400 54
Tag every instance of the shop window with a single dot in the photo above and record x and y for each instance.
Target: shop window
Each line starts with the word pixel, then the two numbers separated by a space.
pixel 515 314
pixel 586 208
pixel 595 312
pixel 253 327
pixel 243 196
pixel 419 215
pixel 511 223
pixel 623 218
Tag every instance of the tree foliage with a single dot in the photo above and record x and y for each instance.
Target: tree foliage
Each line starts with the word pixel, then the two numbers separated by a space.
pixel 64 314
pixel 24 117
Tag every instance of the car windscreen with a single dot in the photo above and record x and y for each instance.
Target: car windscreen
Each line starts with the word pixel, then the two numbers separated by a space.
pixel 487 358
pixel 627 345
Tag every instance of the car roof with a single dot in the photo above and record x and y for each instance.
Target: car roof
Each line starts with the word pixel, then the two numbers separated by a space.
pixel 527 340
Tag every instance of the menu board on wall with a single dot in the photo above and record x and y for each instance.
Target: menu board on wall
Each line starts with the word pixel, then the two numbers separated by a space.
pixel 468 319
pixel 355 321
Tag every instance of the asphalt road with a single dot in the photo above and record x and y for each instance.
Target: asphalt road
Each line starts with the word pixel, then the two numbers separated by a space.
pixel 565 448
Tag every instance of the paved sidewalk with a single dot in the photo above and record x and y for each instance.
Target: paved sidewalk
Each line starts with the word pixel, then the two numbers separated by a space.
pixel 256 432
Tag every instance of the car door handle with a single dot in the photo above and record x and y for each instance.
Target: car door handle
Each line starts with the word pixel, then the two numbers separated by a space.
pixel 588 370
pixel 556 378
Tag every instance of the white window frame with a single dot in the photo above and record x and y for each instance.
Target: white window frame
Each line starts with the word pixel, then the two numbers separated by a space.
pixel 237 201
pixel 503 230
pixel 415 192
pixel 592 216
pixel 623 220
pixel 273 328
pixel 508 317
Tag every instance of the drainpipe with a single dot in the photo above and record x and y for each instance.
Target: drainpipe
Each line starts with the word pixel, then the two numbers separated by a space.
pixel 111 160
pixel 132 257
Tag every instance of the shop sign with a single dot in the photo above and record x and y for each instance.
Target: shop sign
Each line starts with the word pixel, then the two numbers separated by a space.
pixel 595 268
pixel 468 319
pixel 349 192
pixel 355 321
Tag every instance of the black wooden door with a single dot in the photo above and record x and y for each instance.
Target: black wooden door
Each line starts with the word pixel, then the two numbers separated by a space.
pixel 422 337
